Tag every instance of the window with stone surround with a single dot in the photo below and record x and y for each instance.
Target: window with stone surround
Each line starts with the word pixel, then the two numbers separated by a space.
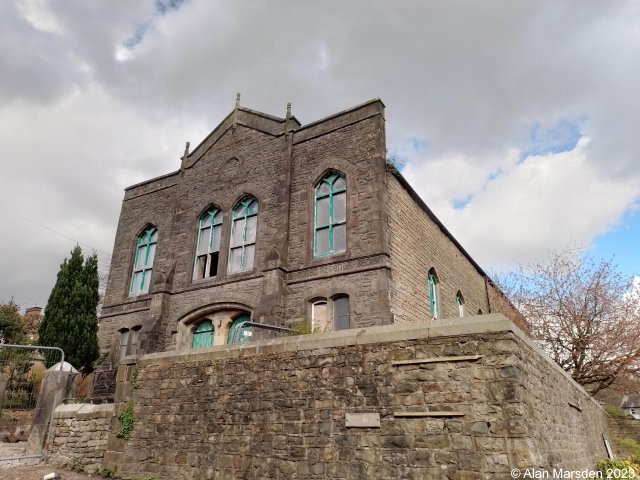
pixel 208 249
pixel 330 227
pixel 143 262
pixel 243 235
pixel 202 334
pixel 460 303
pixel 320 316
pixel 330 314
pixel 434 294
pixel 128 341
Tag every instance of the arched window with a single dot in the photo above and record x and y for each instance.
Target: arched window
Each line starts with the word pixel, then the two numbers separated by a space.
pixel 203 334
pixel 128 342
pixel 320 316
pixel 124 342
pixel 434 300
pixel 334 313
pixel 243 235
pixel 143 263
pixel 208 250
pixel 341 313
pixel 330 234
pixel 460 303
pixel 239 333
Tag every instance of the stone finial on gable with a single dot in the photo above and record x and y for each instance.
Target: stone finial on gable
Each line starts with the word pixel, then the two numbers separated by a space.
pixel 288 110
pixel 186 150
pixel 238 100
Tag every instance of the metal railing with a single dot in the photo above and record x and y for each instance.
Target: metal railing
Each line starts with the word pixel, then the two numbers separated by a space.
pixel 247 332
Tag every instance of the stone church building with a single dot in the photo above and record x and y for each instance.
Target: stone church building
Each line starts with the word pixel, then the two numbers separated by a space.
pixel 278 223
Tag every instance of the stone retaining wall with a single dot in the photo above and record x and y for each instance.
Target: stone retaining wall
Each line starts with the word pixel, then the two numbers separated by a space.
pixel 467 398
pixel 625 427
pixel 80 434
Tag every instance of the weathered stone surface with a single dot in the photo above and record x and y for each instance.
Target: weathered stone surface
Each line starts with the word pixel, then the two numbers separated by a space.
pixel 255 417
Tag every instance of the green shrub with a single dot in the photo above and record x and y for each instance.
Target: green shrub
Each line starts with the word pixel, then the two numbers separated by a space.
pixel 126 419
pixel 628 448
pixel 630 469
pixel 614 411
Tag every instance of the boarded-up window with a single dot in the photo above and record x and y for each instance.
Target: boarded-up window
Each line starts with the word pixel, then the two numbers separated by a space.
pixel 341 314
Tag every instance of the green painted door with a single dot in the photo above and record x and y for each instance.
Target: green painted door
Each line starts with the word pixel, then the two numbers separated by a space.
pixel 203 335
pixel 238 334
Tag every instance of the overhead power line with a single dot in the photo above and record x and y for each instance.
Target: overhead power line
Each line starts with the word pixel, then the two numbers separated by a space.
pixel 29 220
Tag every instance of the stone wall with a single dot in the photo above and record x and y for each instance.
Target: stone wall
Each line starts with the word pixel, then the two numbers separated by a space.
pixel 418 242
pixel 80 432
pixel 624 427
pixel 466 399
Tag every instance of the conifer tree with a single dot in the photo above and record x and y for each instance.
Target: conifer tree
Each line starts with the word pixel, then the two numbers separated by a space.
pixel 70 317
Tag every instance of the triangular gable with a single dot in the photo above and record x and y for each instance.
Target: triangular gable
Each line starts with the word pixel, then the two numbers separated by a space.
pixel 244 117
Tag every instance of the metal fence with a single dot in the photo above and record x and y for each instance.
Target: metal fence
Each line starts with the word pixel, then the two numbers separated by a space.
pixel 246 332
pixel 22 368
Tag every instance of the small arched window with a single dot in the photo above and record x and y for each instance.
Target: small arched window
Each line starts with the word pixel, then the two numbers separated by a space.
pixel 203 334
pixel 434 300
pixel 341 313
pixel 143 262
pixel 208 250
pixel 328 314
pixel 243 235
pixel 128 342
pixel 330 232
pixel 320 316
pixel 238 332
pixel 460 303
pixel 124 342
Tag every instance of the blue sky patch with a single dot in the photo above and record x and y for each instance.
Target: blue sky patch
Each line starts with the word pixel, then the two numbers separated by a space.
pixel 562 137
pixel 163 6
pixel 621 243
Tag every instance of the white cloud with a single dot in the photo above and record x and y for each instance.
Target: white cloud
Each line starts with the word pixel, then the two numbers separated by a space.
pixel 541 203
pixel 86 110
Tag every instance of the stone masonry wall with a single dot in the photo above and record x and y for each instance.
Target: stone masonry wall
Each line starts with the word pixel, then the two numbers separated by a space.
pixel 621 427
pixel 456 399
pixel 416 245
pixel 80 433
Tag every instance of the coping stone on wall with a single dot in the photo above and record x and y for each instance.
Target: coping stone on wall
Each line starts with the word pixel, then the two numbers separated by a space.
pixel 431 328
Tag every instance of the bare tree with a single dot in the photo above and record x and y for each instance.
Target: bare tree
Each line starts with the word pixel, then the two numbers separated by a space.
pixel 584 313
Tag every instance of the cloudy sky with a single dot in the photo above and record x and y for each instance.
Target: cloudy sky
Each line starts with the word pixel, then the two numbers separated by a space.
pixel 517 122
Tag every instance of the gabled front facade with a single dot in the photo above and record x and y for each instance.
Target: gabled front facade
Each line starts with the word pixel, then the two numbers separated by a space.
pixel 279 223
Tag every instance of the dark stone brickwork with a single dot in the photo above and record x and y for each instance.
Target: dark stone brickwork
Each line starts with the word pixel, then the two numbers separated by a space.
pixel 277 410
pixel 390 245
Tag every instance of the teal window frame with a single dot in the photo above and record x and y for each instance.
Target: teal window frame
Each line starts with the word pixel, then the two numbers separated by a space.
pixel 333 222
pixel 460 304
pixel 209 233
pixel 143 261
pixel 241 215
pixel 434 301
pixel 202 335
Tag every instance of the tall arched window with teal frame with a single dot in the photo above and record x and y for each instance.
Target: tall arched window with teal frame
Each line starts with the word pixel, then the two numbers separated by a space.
pixel 143 262
pixel 242 247
pixel 434 294
pixel 330 223
pixel 208 249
